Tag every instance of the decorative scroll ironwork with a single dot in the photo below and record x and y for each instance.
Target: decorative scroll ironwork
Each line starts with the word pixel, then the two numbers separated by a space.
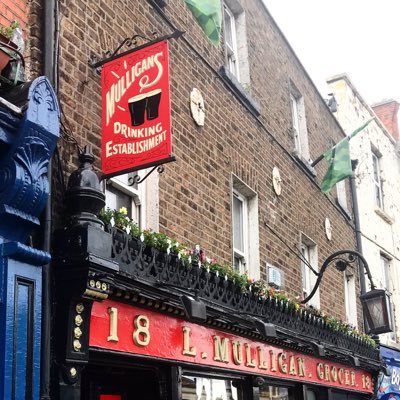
pixel 341 260
pixel 136 179
pixel 138 261
pixel 131 41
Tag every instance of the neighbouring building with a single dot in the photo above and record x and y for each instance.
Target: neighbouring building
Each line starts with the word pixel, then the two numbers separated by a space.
pixel 378 190
pixel 378 187
pixel 388 112
pixel 131 314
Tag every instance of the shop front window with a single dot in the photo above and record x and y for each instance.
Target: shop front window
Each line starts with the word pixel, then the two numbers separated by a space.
pixel 268 392
pixel 205 388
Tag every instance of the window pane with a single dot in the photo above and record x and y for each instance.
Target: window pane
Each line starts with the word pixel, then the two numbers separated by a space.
pixel 115 199
pixel 273 393
pixel 295 113
pixel 228 24
pixel 198 388
pixel 238 240
pixel 305 271
pixel 375 163
pixel 341 194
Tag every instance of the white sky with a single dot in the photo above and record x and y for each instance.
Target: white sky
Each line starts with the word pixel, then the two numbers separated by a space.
pixel 358 37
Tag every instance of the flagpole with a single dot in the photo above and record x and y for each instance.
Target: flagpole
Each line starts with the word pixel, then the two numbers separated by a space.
pixel 318 159
pixel 315 162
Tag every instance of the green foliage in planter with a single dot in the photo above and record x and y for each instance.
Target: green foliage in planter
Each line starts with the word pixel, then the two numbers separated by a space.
pixel 120 219
pixel 8 31
pixel 260 288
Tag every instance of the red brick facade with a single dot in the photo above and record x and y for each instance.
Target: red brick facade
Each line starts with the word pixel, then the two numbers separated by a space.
pixel 388 112
pixel 195 191
pixel 14 10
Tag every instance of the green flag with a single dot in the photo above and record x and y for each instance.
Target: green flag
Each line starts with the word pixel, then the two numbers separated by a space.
pixel 339 161
pixel 209 15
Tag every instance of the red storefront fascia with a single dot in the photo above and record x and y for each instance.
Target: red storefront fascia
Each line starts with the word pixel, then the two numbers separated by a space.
pixel 129 329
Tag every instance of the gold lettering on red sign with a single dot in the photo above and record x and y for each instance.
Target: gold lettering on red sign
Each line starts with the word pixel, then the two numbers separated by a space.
pixel 292 366
pixel 281 362
pixel 187 350
pixel 330 373
pixel 346 377
pixel 113 336
pixel 320 373
pixel 366 382
pixel 249 361
pixel 353 378
pixel 261 363
pixel 327 375
pixel 273 360
pixel 301 366
pixel 237 352
pixel 340 375
pixel 334 374
pixel 141 333
pixel 221 349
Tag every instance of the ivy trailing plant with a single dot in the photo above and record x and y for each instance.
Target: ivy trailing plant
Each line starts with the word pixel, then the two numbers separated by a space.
pixel 196 255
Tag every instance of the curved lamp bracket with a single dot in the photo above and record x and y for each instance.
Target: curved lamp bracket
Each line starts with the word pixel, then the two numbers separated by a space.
pixel 341 260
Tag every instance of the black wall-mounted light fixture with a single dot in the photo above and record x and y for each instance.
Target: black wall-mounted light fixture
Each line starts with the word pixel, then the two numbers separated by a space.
pixel 194 308
pixel 376 306
pixel 375 303
pixel 355 361
pixel 319 349
pixel 266 329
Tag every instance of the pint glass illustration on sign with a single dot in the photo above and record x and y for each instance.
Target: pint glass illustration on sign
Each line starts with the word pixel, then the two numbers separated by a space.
pixel 136 122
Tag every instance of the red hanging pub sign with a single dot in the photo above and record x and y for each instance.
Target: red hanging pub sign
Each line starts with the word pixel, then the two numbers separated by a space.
pixel 136 120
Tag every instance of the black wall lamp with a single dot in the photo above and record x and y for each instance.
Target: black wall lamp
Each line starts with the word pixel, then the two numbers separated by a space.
pixel 319 349
pixel 376 304
pixel 194 308
pixel 266 329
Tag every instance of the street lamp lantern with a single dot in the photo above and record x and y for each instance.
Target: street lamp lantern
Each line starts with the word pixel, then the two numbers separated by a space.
pixel 376 306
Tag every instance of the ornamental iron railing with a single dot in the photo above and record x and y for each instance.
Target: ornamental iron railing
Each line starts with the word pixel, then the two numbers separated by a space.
pixel 138 261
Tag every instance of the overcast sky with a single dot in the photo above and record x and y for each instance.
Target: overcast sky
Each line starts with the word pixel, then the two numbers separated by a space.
pixel 359 37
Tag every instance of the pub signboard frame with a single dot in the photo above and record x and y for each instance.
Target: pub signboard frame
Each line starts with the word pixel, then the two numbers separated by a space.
pixel 136 111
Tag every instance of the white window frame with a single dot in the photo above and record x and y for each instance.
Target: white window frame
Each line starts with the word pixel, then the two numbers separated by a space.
pixel 305 270
pixel 377 181
pixel 385 283
pixel 309 252
pixel 248 258
pixel 241 255
pixel 295 122
pixel 341 194
pixel 350 296
pixel 237 53
pixel 144 197
pixel 299 124
pixel 232 55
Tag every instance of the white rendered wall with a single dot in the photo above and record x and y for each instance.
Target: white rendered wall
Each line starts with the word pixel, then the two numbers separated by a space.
pixel 380 227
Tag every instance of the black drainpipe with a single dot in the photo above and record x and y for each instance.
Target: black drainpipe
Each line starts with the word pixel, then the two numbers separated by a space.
pixel 49 69
pixel 357 228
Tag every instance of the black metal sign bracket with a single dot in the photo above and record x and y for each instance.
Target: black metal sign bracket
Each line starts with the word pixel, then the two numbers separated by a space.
pixel 95 63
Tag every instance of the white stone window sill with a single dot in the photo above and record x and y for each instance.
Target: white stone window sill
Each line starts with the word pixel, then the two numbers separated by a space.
pixel 387 218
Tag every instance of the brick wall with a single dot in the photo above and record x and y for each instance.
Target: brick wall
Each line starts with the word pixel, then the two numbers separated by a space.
pixel 195 191
pixel 14 10
pixel 29 15
pixel 388 113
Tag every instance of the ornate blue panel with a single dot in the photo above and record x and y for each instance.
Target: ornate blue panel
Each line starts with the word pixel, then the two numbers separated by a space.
pixel 25 152
pixel 29 130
